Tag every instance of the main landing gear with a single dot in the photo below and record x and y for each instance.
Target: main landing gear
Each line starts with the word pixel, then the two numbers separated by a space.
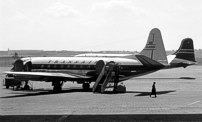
pixel 86 86
pixel 57 86
pixel 27 86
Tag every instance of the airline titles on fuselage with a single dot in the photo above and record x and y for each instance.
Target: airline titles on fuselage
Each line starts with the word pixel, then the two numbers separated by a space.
pixel 72 62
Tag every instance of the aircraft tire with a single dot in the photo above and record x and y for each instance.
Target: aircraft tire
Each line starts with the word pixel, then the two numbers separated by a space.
pixel 57 88
pixel 86 86
pixel 7 86
pixel 26 87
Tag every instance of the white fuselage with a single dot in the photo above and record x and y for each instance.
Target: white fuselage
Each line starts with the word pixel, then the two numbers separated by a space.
pixel 77 65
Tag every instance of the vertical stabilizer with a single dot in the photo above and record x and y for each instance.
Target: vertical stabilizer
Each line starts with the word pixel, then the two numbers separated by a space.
pixel 154 48
pixel 186 50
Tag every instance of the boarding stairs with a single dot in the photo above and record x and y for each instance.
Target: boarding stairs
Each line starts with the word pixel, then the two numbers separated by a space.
pixel 109 73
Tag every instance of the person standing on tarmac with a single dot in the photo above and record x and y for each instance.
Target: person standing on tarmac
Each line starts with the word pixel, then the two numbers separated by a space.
pixel 153 91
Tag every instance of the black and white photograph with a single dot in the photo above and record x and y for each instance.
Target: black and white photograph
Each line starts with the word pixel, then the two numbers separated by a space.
pixel 100 60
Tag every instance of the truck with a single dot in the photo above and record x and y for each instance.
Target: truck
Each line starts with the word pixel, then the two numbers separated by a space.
pixel 10 81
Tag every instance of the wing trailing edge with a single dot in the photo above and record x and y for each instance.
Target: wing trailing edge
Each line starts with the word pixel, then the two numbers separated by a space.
pixel 47 74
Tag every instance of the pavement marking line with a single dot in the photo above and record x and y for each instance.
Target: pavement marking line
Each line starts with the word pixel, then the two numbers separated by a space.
pixel 194 103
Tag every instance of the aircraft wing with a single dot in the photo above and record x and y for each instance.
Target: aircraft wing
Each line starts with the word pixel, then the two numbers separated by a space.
pixel 48 74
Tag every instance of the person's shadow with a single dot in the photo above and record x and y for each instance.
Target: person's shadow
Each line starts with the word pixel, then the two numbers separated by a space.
pixel 139 93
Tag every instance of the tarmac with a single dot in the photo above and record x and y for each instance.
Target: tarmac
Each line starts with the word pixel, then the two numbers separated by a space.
pixel 179 98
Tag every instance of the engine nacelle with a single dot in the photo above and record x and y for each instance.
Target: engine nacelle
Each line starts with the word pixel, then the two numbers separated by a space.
pixel 99 65
pixel 20 65
pixel 110 66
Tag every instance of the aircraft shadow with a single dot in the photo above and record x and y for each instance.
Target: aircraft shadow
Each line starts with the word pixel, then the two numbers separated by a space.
pixel 148 93
pixel 187 78
pixel 39 92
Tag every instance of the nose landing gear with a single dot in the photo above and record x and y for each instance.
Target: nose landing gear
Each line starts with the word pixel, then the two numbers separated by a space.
pixel 57 86
pixel 86 86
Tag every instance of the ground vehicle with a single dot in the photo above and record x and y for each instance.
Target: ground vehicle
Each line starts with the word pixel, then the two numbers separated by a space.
pixel 10 81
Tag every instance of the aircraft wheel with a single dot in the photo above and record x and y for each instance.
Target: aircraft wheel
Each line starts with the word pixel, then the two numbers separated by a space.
pixel 7 86
pixel 57 88
pixel 26 87
pixel 86 86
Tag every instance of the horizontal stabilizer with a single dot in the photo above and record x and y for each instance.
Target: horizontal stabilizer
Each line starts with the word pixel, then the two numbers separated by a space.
pixel 148 62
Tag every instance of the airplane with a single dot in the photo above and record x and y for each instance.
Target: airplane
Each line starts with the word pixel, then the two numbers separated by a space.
pixel 87 69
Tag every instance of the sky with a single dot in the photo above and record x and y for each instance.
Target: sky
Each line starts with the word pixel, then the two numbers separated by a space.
pixel 97 25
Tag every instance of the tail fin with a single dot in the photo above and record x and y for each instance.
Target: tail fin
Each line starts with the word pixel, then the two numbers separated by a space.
pixel 186 50
pixel 154 48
